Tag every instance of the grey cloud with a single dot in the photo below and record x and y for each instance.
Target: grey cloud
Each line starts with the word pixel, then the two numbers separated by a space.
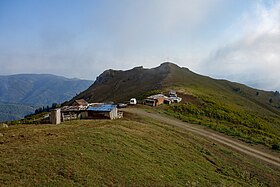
pixel 254 58
pixel 150 31
pixel 126 34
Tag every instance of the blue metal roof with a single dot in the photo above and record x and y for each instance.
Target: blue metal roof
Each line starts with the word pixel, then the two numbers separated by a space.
pixel 102 108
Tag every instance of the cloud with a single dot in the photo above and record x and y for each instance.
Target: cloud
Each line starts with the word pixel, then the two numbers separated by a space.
pixel 100 35
pixel 88 37
pixel 148 32
pixel 253 56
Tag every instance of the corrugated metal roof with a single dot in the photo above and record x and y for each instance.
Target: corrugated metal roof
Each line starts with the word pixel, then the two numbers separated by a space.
pixel 73 108
pixel 102 108
pixel 157 96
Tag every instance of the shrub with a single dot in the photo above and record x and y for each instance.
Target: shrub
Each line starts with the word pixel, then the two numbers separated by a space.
pixel 276 146
pixel 226 119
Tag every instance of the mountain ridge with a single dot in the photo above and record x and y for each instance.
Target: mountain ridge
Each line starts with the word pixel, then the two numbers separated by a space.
pixel 127 80
pixel 120 85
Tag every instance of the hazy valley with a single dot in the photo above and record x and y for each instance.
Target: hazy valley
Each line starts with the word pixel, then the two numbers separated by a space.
pixel 22 94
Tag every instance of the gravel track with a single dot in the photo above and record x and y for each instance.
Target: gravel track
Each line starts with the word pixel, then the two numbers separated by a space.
pixel 222 139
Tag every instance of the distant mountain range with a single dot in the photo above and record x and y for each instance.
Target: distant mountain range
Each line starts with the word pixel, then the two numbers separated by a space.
pixel 21 94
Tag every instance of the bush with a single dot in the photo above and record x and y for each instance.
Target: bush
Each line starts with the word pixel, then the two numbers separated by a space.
pixel 276 146
pixel 226 119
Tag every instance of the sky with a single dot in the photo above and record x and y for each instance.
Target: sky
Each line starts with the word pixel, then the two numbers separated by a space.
pixel 238 40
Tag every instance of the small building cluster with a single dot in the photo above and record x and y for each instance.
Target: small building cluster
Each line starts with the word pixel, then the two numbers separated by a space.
pixel 158 99
pixel 81 109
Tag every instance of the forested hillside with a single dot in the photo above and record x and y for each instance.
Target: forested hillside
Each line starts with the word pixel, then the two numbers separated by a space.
pixel 21 94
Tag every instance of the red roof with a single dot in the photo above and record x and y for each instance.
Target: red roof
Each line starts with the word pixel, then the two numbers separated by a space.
pixel 80 102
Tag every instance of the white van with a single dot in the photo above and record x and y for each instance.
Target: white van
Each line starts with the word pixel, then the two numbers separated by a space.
pixel 133 101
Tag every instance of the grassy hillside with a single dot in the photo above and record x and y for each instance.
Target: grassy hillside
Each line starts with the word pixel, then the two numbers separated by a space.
pixel 133 151
pixel 235 94
pixel 235 109
pixel 263 129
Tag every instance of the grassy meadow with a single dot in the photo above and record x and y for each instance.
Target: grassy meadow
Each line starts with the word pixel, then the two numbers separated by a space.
pixel 245 125
pixel 133 151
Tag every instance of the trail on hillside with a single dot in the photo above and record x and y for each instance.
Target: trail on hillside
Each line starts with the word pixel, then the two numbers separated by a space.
pixel 241 147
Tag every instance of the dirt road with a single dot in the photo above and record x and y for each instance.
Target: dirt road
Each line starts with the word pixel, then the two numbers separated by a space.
pixel 241 147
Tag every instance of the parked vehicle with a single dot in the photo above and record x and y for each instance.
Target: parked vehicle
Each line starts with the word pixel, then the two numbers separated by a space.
pixel 122 105
pixel 133 101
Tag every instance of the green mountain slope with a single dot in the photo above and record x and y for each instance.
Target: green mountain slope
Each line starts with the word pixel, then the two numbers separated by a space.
pixel 231 108
pixel 222 90
pixel 235 109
